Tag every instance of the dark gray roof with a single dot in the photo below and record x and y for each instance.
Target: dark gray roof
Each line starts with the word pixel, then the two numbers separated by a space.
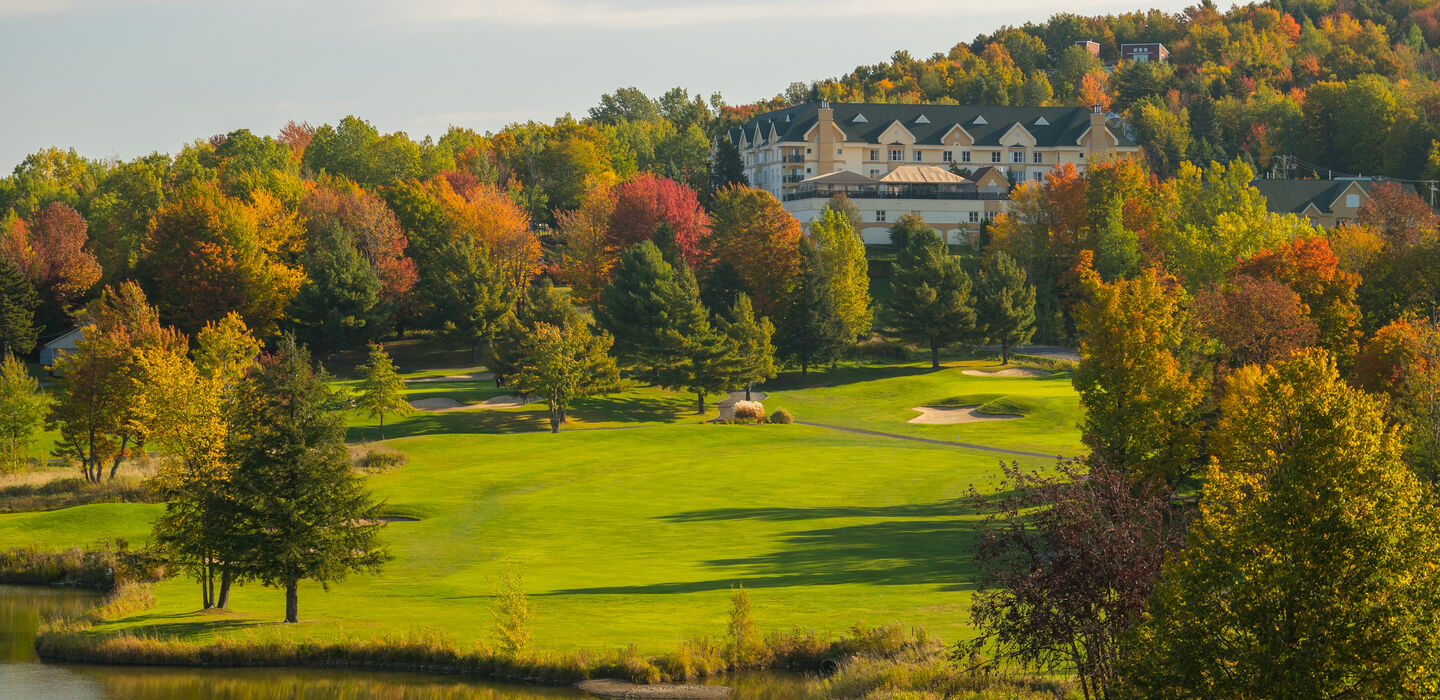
pixel 1051 126
pixel 1294 196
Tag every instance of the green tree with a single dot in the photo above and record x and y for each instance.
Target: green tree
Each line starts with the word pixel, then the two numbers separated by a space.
pixel 727 170
pixel 811 331
pixel 704 360
pixel 842 254
pixel 22 413
pixel 636 308
pixel 930 303
pixel 564 363
pixel 472 293
pixel 1141 403
pixel 1311 572
pixel 381 391
pixel 1004 303
pixel 339 305
pixel 906 227
pixel 18 302
pixel 303 515
pixel 751 336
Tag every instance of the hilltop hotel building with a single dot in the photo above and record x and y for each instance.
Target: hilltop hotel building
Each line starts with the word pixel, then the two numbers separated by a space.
pixel 897 159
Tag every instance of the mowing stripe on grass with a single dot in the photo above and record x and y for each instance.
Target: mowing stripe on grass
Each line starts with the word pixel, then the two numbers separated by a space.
pixel 966 445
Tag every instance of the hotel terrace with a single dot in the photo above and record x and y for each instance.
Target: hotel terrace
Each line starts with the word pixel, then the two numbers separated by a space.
pixel 897 159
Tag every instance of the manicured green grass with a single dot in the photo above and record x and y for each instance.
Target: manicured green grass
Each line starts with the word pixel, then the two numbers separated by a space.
pixel 636 535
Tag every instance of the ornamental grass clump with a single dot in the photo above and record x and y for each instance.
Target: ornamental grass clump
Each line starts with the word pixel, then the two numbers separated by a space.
pixel 782 417
pixel 749 411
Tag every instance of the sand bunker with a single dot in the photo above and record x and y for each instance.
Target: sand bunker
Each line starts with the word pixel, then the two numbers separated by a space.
pixel 436 404
pixel 472 377
pixel 1011 372
pixel 508 401
pixel 949 415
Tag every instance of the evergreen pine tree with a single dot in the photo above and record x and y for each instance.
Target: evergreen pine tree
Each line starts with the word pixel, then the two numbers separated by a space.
pixel 1005 303
pixel 635 308
pixel 18 302
pixel 381 389
pixel 930 302
pixel 727 169
pixel 705 359
pixel 471 294
pixel 812 331
pixel 302 513
pixel 339 306
pixel 751 335
pixel 543 304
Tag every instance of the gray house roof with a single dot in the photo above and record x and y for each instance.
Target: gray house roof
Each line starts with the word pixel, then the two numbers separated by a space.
pixel 865 122
pixel 1294 196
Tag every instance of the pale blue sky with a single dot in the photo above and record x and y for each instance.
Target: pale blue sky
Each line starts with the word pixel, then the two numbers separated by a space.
pixel 127 77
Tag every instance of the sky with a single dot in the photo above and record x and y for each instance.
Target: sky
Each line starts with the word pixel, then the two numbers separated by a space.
pixel 123 78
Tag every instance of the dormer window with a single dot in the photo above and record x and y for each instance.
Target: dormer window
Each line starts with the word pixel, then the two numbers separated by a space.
pixel 859 119
pixel 980 121
pixel 922 119
pixel 1041 122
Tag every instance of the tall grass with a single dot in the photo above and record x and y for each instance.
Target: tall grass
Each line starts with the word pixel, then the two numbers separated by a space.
pixel 52 494
pixel 103 567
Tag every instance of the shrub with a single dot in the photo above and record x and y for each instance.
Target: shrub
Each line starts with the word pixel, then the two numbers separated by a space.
pixel 378 459
pixel 67 492
pixel 782 416
pixel 881 350
pixel 106 566
pixel 749 411
pixel 512 614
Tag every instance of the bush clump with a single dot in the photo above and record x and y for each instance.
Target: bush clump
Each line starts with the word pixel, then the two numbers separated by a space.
pixel 378 459
pixel 68 492
pixel 881 350
pixel 749 411
pixel 782 417
pixel 104 567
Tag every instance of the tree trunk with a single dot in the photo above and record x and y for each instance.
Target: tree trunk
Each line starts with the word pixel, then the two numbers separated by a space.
pixel 934 356
pixel 747 392
pixel 554 418
pixel 119 454
pixel 700 403
pixel 1004 353
pixel 222 600
pixel 205 600
pixel 804 368
pixel 292 601
pixel 382 425
pixel 474 353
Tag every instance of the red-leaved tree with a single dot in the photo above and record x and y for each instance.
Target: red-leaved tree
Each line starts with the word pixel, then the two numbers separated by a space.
pixel 646 201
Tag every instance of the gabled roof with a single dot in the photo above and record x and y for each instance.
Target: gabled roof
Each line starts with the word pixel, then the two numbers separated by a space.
pixel 1295 196
pixel 1051 126
pixel 922 174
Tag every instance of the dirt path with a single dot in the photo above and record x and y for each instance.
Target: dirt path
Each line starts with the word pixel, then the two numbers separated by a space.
pixel 966 445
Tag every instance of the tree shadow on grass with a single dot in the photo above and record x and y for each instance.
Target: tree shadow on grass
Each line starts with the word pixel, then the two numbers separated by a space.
pixel 633 409
pixel 924 544
pixel 477 421
pixel 841 376
pixel 185 625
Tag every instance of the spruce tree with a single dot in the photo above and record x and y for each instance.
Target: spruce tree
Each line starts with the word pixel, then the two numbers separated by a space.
pixel 18 301
pixel 751 336
pixel 635 308
pixel 705 359
pixel 381 390
pixel 1004 303
pixel 339 306
pixel 302 513
pixel 812 331
pixel 471 295
pixel 727 169
pixel 930 302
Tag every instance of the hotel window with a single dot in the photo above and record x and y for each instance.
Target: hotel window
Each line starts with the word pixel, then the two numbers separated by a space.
pixel 1039 157
pixel 874 154
pixel 974 217
pixel 964 156
pixel 880 215
pixel 916 156
pixel 1017 157
pixel 948 156
pixel 1020 176
pixel 995 157
pixel 897 154
pixel 874 173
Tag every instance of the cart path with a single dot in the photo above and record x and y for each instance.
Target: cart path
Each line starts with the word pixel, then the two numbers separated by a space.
pixel 966 445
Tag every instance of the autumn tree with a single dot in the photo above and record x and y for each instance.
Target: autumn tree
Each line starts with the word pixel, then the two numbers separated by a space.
pixel 375 233
pixel 1004 303
pixel 588 254
pixel 561 364
pixel 1311 268
pixel 53 254
pixel 811 331
pixel 22 413
pixel 1067 563
pixel 96 409
pixel 488 218
pixel 381 390
pixel 301 513
pixel 209 254
pixel 1256 322
pixel 186 406
pixel 756 236
pixel 1140 399
pixel 18 302
pixel 930 301
pixel 645 202
pixel 842 255
pixel 1310 572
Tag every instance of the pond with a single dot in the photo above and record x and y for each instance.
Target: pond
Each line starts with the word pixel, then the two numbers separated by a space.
pixel 24 675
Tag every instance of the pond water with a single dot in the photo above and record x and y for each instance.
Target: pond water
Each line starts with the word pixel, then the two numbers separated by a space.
pixel 24 675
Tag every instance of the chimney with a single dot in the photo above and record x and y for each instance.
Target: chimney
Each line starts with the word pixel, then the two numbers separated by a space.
pixel 1099 141
pixel 825 148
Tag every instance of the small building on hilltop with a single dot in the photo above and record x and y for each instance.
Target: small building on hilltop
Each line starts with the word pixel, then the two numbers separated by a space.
pixel 1144 53
pixel 51 349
